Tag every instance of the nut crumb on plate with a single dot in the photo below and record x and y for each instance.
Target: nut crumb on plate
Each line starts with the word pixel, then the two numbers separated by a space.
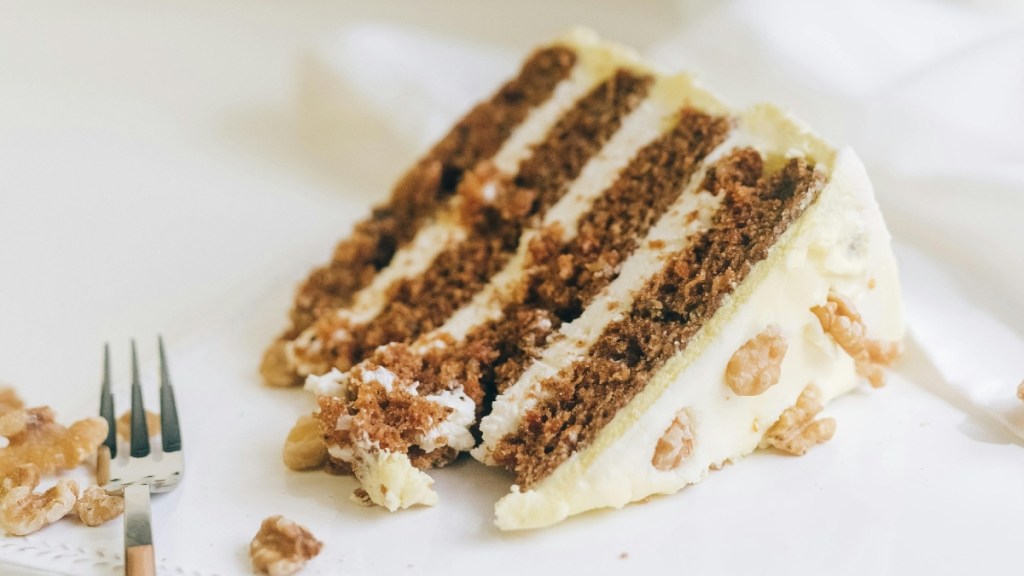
pixel 124 424
pixel 23 511
pixel 305 449
pixel 34 437
pixel 282 547
pixel 95 506
pixel 9 400
pixel 274 366
pixel 796 429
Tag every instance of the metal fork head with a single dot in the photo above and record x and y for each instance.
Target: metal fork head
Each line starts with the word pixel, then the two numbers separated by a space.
pixel 162 470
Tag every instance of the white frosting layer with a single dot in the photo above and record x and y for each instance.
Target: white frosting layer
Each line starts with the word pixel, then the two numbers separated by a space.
pixel 391 481
pixel 839 244
pixel 690 214
pixel 454 430
pixel 575 338
pixel 639 128
pixel 334 383
pixel 445 231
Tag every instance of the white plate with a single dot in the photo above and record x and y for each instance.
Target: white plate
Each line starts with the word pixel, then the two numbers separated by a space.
pixel 907 474
pixel 167 188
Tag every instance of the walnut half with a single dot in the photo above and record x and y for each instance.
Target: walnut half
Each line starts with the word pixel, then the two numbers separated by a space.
pixel 282 547
pixel 796 429
pixel 305 449
pixel 22 511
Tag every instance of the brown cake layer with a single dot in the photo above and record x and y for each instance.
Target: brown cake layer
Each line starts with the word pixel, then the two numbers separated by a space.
pixel 566 276
pixel 419 304
pixel 607 233
pixel 396 420
pixel 671 307
pixel 426 185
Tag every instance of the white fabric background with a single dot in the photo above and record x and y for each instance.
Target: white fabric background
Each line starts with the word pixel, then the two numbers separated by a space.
pixel 178 167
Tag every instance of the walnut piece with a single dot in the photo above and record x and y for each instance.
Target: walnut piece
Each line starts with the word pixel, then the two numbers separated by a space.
pixel 275 369
pixel 9 400
pixel 676 444
pixel 757 364
pixel 96 507
pixel 305 449
pixel 124 424
pixel 1020 390
pixel 282 547
pixel 840 319
pixel 22 511
pixel 796 429
pixel 34 437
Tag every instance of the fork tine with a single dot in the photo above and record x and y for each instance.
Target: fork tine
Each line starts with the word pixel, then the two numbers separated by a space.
pixel 140 431
pixel 107 404
pixel 170 432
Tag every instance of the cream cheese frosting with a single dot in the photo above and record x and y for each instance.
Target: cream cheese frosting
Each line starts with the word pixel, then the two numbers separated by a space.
pixel 840 244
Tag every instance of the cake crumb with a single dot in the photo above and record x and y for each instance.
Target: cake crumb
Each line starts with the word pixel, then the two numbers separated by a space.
pixel 282 547
pixel 796 429
pixel 840 319
pixel 757 365
pixel 1020 390
pixel 361 497
pixel 624 556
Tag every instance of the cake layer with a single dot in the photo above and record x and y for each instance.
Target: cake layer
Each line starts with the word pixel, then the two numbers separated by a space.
pixel 693 411
pixel 637 286
pixel 476 137
pixel 639 174
pixel 668 310
pixel 691 214
pixel 496 208
pixel 543 87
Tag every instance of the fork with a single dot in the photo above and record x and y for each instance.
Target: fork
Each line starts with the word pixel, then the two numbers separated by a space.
pixel 143 471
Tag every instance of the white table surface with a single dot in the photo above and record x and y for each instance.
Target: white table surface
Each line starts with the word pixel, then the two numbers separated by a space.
pixel 158 173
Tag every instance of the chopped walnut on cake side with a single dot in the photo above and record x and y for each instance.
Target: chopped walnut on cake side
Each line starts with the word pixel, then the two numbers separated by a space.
pixel 796 430
pixel 757 365
pixel 676 443
pixel 282 547
pixel 840 320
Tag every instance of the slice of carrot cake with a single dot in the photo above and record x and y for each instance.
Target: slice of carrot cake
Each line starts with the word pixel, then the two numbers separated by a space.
pixel 637 285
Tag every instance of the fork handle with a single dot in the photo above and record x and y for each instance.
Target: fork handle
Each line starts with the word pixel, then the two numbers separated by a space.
pixel 138 535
